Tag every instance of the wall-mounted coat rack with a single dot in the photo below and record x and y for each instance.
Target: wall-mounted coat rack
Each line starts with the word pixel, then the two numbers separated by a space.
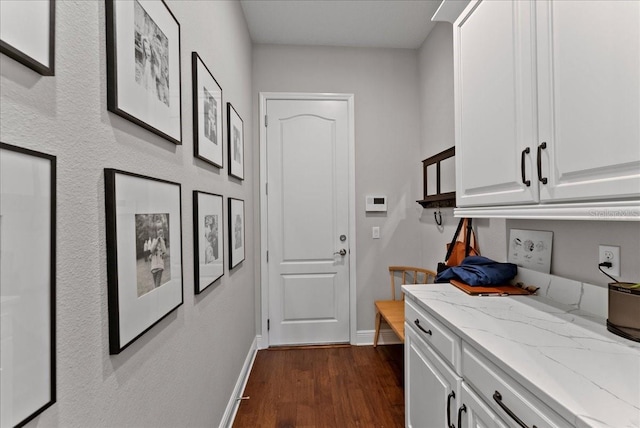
pixel 439 186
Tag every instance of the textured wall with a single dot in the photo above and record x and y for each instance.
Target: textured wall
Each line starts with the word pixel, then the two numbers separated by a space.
pixel 181 372
pixel 384 82
pixel 575 243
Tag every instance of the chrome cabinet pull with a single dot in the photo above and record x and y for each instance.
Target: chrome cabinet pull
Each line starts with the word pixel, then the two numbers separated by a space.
pixel 417 323
pixel 498 398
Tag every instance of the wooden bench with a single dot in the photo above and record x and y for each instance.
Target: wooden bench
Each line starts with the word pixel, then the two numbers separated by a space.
pixel 392 311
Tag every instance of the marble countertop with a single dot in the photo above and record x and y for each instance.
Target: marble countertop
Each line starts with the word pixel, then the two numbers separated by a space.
pixel 566 358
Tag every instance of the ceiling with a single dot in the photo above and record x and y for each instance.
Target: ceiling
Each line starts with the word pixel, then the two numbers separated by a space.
pixel 358 23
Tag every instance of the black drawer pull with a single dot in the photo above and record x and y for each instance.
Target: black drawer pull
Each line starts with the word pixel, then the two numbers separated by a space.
pixel 417 323
pixel 462 408
pixel 498 397
pixel 522 167
pixel 540 178
pixel 449 397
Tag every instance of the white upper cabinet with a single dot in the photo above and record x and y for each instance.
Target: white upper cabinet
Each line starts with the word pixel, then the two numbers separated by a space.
pixel 495 102
pixel 548 109
pixel 589 99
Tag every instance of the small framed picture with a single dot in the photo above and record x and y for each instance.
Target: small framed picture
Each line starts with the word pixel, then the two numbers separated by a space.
pixel 27 284
pixel 208 236
pixel 236 232
pixel 207 113
pixel 143 66
pixel 27 33
pixel 235 134
pixel 144 253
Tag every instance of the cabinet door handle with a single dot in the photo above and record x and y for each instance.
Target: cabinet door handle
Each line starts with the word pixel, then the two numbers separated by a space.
pixel 449 397
pixel 462 408
pixel 541 147
pixel 522 167
pixel 417 323
pixel 498 398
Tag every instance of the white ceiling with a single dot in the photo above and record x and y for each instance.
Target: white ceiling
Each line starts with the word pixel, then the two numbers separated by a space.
pixel 361 23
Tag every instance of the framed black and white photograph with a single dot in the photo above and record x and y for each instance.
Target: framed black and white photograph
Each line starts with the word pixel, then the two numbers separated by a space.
pixel 143 65
pixel 144 253
pixel 235 134
pixel 207 113
pixel 208 239
pixel 27 284
pixel 236 232
pixel 27 33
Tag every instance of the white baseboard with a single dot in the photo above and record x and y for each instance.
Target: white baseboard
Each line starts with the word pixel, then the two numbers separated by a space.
pixel 241 383
pixel 262 344
pixel 387 337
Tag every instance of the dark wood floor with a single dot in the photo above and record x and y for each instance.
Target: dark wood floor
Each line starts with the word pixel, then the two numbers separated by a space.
pixel 348 386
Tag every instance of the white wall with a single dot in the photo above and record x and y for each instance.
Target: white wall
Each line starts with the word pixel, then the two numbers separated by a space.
pixel 384 82
pixel 182 372
pixel 575 243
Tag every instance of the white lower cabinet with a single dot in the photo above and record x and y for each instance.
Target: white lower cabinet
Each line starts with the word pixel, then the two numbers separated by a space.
pixel 462 388
pixel 431 387
pixel 474 413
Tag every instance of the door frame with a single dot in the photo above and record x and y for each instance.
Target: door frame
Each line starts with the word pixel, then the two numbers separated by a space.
pixel 263 339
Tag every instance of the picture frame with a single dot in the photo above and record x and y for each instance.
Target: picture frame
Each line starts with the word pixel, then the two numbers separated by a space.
pixel 27 33
pixel 144 253
pixel 236 232
pixel 207 113
pixel 235 136
pixel 144 83
pixel 27 284
pixel 208 237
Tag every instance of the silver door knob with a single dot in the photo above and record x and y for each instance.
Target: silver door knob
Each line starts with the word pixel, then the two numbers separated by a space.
pixel 342 252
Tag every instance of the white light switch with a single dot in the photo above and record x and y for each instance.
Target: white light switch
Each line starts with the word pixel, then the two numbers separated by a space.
pixel 375 232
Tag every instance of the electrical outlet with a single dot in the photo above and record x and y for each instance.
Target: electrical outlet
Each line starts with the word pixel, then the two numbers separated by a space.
pixel 611 254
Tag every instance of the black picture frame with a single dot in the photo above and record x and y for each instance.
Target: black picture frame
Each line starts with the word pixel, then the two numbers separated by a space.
pixel 145 88
pixel 139 207
pixel 207 92
pixel 21 240
pixel 235 146
pixel 208 240
pixel 237 227
pixel 25 54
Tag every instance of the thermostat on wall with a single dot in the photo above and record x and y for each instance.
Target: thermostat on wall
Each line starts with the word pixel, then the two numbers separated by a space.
pixel 376 203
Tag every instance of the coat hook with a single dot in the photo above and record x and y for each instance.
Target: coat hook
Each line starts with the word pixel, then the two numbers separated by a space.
pixel 438 217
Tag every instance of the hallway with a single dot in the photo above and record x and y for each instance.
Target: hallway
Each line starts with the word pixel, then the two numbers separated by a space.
pixel 338 386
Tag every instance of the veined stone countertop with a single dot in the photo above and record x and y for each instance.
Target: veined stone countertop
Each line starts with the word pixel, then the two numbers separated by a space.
pixel 565 357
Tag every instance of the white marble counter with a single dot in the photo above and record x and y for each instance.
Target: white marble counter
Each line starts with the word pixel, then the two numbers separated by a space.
pixel 565 357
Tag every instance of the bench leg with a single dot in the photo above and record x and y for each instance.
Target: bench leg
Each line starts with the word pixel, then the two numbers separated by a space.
pixel 378 321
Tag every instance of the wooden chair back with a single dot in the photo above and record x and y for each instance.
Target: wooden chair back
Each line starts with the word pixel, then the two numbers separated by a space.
pixel 408 275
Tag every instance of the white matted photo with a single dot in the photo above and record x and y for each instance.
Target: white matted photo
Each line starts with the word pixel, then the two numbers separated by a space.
pixel 27 33
pixel 208 239
pixel 235 135
pixel 531 249
pixel 27 284
pixel 207 113
pixel 144 253
pixel 236 232
pixel 143 65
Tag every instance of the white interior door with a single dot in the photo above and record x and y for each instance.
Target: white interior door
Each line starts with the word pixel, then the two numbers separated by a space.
pixel 307 151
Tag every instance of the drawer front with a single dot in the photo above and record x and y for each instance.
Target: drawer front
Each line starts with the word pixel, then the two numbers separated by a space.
pixel 441 339
pixel 505 396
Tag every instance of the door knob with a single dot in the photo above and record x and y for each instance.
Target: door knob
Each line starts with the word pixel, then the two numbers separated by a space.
pixel 342 252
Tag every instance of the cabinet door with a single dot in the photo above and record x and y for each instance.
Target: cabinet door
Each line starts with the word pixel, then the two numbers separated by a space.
pixel 428 385
pixel 589 98
pixel 495 104
pixel 475 413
